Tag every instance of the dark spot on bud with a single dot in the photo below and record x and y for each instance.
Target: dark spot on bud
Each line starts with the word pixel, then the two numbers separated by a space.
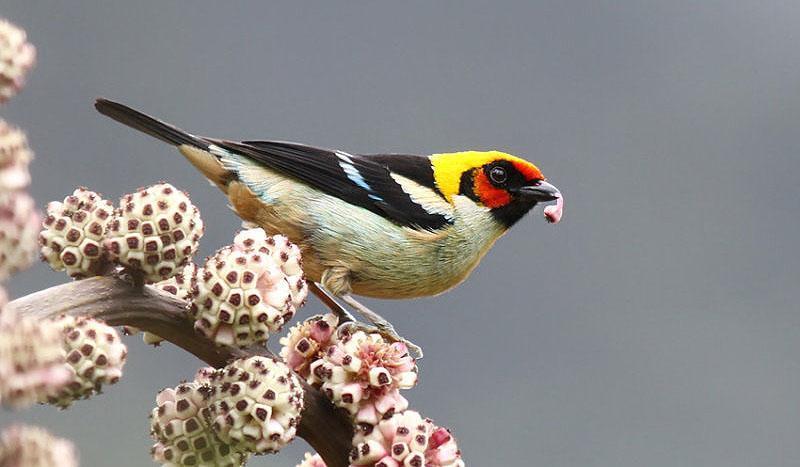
pixel 69 258
pixel 74 357
pixel 303 346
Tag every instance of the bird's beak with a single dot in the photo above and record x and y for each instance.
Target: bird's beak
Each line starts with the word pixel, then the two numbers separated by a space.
pixel 539 192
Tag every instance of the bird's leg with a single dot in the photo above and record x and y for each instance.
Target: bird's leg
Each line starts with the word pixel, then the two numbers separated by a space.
pixel 384 327
pixel 327 298
pixel 336 283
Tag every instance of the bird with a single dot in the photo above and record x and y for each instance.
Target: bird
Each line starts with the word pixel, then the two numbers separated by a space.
pixel 389 226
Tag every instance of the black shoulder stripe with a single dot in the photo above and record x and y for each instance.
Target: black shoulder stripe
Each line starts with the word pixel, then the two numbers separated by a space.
pixel 358 180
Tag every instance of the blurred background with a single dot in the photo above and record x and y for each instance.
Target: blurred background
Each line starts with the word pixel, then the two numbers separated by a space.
pixel 656 325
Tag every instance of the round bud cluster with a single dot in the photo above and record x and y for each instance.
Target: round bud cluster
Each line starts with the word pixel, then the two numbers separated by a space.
pixel 312 461
pixel 156 230
pixel 19 226
pixel 241 298
pixel 256 404
pixel 73 231
pixel 308 341
pixel 285 253
pixel 183 285
pixel 405 439
pixel 31 359
pixel 17 56
pixel 363 374
pixel 182 434
pixel 31 446
pixel 95 356
pixel 15 155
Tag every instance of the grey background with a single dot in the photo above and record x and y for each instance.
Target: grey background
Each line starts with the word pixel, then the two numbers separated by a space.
pixel 657 325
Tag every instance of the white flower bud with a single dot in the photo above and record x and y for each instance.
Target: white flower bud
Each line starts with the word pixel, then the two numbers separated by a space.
pixel 241 298
pixel 19 226
pixel 73 232
pixel 156 230
pixel 95 356
pixel 179 425
pixel 256 404
pixel 31 359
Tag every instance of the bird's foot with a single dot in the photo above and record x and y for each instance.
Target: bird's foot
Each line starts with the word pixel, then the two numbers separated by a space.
pixel 386 331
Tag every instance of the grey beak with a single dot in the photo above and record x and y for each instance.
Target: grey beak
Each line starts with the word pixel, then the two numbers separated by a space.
pixel 540 192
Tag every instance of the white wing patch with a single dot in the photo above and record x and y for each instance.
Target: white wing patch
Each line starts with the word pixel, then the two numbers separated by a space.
pixel 346 163
pixel 428 199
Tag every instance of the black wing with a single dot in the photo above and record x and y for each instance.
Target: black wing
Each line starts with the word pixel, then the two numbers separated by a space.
pixel 360 180
pixel 364 181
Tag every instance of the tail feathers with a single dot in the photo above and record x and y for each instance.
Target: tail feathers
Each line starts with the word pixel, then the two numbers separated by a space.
pixel 147 124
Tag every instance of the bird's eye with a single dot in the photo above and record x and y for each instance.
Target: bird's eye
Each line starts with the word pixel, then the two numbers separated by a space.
pixel 498 175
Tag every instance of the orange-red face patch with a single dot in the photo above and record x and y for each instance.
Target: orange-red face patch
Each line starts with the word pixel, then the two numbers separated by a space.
pixel 528 170
pixel 490 196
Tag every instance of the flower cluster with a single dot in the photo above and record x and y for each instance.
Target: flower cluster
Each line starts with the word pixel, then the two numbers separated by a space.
pixel 364 373
pixel 153 233
pixel 17 57
pixel 95 356
pixel 224 416
pixel 18 216
pixel 32 359
pixel 30 446
pixel 248 290
pixel 181 430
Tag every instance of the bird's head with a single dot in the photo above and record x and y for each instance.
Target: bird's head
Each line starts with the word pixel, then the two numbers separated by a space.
pixel 508 185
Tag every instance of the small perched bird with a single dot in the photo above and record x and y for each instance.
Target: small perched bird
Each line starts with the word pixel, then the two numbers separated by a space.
pixel 386 226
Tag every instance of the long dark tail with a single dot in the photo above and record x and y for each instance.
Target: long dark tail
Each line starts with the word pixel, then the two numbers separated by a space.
pixel 194 148
pixel 147 124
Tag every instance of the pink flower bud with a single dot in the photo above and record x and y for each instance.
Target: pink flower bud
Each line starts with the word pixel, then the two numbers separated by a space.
pixel 380 368
pixel 307 342
pixel 408 440
pixel 311 461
